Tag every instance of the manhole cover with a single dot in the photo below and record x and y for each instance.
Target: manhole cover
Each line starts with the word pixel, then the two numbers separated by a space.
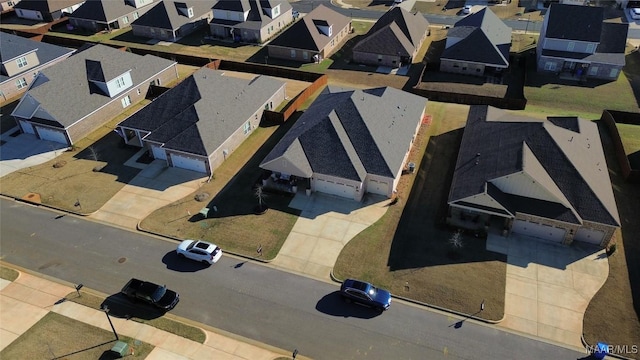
pixel 122 259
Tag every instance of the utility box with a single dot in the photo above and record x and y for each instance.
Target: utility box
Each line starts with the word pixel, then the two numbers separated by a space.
pixel 602 350
pixel 121 348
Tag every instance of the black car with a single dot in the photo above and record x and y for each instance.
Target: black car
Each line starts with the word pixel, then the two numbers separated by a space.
pixel 365 294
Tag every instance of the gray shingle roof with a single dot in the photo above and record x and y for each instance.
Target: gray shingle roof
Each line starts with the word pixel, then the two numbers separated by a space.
pixel 257 17
pixel 563 156
pixel 484 39
pixel 351 133
pixel 13 47
pixel 304 33
pixel 105 10
pixel 165 14
pixel 199 114
pixel 574 22
pixel 64 91
pixel 46 6
pixel 396 31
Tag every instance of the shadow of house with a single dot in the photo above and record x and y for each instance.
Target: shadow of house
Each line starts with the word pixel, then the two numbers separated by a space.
pixel 632 72
pixel 110 154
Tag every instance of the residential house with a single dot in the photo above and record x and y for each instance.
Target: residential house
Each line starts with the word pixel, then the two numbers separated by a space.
pixel 7 5
pixel 69 100
pixel 314 37
pixel 45 10
pixel 21 59
pixel 394 40
pixel 350 142
pixel 477 45
pixel 577 42
pixel 197 124
pixel 99 15
pixel 170 20
pixel 250 21
pixel 541 178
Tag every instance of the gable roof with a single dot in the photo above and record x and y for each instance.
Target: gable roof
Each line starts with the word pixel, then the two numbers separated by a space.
pixel 46 6
pixel 397 31
pixel 165 14
pixel 64 92
pixel 106 10
pixel 574 22
pixel 257 17
pixel 562 156
pixel 483 38
pixel 351 133
pixel 13 47
pixel 199 114
pixel 304 33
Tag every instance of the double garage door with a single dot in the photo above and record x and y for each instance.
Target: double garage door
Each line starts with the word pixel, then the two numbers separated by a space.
pixel 589 236
pixel 378 187
pixel 188 163
pixel 335 188
pixel 541 231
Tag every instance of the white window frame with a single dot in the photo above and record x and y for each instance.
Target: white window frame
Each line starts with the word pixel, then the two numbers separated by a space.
pixel 135 15
pixel 550 66
pixel 120 82
pixel 613 73
pixel 591 48
pixel 593 70
pixel 293 53
pixel 22 62
pixel 125 20
pixel 21 83
pixel 246 128
pixel 126 101
pixel 571 45
pixel 190 12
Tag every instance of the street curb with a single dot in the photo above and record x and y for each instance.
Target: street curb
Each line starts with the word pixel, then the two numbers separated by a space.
pixel 172 317
pixel 48 206
pixel 466 316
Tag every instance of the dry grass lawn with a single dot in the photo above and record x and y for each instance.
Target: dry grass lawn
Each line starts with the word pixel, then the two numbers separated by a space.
pixel 56 336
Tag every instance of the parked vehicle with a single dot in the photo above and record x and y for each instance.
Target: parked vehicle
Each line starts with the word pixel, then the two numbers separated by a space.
pixel 635 13
pixel 151 293
pixel 363 293
pixel 199 250
pixel 466 9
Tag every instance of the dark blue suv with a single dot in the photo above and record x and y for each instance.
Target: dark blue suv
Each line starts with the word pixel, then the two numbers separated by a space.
pixel 365 294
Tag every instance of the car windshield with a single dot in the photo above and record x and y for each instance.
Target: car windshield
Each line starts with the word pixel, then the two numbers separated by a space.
pixel 158 294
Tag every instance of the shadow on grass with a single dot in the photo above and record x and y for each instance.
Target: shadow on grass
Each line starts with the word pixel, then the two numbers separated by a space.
pixel 111 149
pixel 333 304
pixel 238 196
pixel 121 307
pixel 177 263
pixel 108 354
pixel 421 239
pixel 632 72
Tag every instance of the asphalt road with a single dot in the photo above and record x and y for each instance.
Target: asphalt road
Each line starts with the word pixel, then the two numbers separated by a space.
pixel 250 299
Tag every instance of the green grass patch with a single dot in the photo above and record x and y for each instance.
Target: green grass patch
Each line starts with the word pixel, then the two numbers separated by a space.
pixel 162 323
pixel 58 337
pixel 630 135
pixel 8 273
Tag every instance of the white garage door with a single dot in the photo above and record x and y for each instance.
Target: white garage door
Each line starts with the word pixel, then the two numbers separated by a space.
pixel 538 230
pixel 52 135
pixel 184 162
pixel 589 236
pixel 378 187
pixel 158 152
pixel 27 127
pixel 335 188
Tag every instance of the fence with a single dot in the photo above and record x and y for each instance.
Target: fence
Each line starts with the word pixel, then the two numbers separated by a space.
pixel 610 118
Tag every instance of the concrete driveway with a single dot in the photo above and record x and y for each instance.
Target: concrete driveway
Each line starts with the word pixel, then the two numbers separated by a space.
pixel 25 150
pixel 324 227
pixel 549 286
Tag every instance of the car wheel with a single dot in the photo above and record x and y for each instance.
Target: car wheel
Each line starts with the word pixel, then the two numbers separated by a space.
pixel 380 310
pixel 347 300
pixel 205 262
pixel 181 255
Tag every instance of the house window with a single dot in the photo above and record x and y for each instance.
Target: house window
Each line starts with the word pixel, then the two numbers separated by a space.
pixel 293 53
pixel 305 55
pixel 456 65
pixel 190 12
pixel 591 48
pixel 613 73
pixel 593 70
pixel 571 45
pixel 550 66
pixel 22 62
pixel 126 101
pixel 247 127
pixel 20 83
pixel 125 20
pixel 135 15
pixel 120 82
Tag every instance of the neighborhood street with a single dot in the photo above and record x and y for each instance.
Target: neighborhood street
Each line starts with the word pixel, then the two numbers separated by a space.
pixel 251 299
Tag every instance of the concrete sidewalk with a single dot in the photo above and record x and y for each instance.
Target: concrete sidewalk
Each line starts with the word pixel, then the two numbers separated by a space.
pixel 29 298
